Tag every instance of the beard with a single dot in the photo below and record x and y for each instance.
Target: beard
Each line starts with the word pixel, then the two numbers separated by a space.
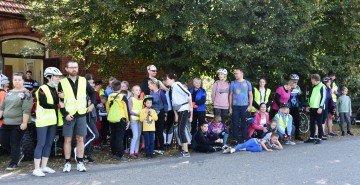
pixel 73 73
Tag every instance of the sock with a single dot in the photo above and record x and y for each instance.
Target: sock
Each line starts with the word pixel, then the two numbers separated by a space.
pixel 67 160
pixel 80 159
pixel 170 137
pixel 164 134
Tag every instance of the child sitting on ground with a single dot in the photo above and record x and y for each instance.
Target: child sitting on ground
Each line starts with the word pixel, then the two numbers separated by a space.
pixel 272 127
pixel 148 116
pixel 204 142
pixel 285 125
pixel 217 128
pixel 268 143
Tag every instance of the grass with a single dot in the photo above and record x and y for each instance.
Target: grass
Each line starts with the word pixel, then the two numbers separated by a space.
pixel 104 156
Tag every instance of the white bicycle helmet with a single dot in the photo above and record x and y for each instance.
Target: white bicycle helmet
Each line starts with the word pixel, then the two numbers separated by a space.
pixel 3 79
pixel 50 71
pixel 224 71
pixel 294 77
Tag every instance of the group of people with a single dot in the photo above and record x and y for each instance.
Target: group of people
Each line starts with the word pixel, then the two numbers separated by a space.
pixel 159 110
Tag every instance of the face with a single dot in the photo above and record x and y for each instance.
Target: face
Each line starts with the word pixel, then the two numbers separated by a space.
pixel 152 73
pixel 28 75
pixel 263 108
pixel 221 76
pixel 274 139
pixel 314 82
pixel 124 86
pixel 284 110
pixel 98 87
pixel 136 91
pixel 18 81
pixel 151 85
pixel 103 100
pixel 345 91
pixel 288 87
pixel 55 79
pixel 72 68
pixel 92 84
pixel 148 103
pixel 332 77
pixel 273 125
pixel 328 83
pixel 262 83
pixel 238 74
pixel 295 82
pixel 197 84
pixel 205 127
pixel 168 82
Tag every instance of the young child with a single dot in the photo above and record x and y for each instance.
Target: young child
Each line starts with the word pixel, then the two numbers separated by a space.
pixel 272 127
pixel 285 125
pixel 104 132
pixel 204 142
pixel 268 143
pixel 343 109
pixel 148 116
pixel 118 129
pixel 135 106
pixel 217 128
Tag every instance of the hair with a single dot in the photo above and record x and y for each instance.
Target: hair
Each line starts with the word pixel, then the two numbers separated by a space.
pixel 126 83
pixel 148 99
pixel 264 80
pixel 28 72
pixel 203 123
pixel 124 92
pixel 116 85
pixel 112 78
pixel 316 77
pixel 238 69
pixel 262 104
pixel 158 83
pixel 344 88
pixel 89 76
pixel 217 119
pixel 196 80
pixel 273 121
pixel 274 134
pixel 71 61
pixel 133 87
pixel 103 97
pixel 21 74
pixel 290 83
pixel 171 76
pixel 99 82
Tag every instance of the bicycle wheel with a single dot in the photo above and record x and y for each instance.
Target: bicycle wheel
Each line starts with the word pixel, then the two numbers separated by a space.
pixel 304 123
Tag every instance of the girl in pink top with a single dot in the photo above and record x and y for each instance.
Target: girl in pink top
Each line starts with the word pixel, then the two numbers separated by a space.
pixel 260 123
pixel 220 95
pixel 282 95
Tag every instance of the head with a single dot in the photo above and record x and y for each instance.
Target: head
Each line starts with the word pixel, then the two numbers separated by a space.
pixel 103 99
pixel 136 91
pixel 116 85
pixel 327 81
pixel 217 120
pixel 4 82
pixel 344 90
pixel 204 127
pixel 294 78
pixel 169 79
pixel 53 76
pixel 152 70
pixel 222 74
pixel 18 80
pixel 262 108
pixel 332 75
pixel 98 85
pixel 111 79
pixel 72 68
pixel 148 101
pixel 284 108
pixel 155 84
pixel 124 92
pixel 239 74
pixel 315 79
pixel 196 83
pixel 289 85
pixel 90 79
pixel 262 82
pixel 125 85
pixel 274 138
pixel 28 74
pixel 273 124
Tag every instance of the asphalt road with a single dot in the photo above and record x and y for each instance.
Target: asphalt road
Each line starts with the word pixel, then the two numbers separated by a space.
pixel 336 161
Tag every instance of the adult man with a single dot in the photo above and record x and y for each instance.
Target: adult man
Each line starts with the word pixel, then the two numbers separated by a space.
pixel 108 90
pixel 73 91
pixel 295 103
pixel 240 100
pixel 152 71
pixel 29 82
pixel 316 106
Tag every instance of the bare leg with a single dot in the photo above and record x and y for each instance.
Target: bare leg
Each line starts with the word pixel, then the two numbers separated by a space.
pixel 185 147
pixel 80 146
pixel 67 147
pixel 329 123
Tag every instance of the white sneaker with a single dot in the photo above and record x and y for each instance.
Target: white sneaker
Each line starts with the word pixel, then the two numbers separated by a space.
pixel 47 170
pixel 232 150
pixel 67 167
pixel 81 167
pixel 38 173
pixel 228 150
pixel 290 143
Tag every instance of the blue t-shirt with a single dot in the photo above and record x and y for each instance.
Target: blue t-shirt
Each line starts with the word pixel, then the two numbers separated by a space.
pixel 240 92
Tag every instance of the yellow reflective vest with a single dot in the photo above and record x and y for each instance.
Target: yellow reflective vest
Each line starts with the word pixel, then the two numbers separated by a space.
pixel 136 107
pixel 257 98
pixel 72 104
pixel 46 117
pixel 281 123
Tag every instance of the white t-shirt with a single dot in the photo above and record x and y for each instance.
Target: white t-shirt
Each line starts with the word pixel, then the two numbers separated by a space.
pixel 263 121
pixel 180 96
pixel 262 95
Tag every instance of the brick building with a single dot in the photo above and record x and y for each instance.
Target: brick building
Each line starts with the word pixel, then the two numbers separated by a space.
pixel 16 35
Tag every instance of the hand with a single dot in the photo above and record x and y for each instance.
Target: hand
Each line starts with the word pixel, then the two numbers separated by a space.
pixel 190 119
pixel 191 109
pixel 23 126
pixel 90 108
pixel 269 150
pixel 319 111
pixel 61 95
pixel 249 108
pixel 69 117
pixel 230 110
pixel 218 131
pixel 265 129
pixel 127 125
pixel 62 105
pixel 350 114
pixel 307 109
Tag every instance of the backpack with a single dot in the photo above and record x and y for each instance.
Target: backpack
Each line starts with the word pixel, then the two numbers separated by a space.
pixel 114 115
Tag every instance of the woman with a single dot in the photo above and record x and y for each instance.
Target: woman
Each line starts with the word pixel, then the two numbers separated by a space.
pixel 259 125
pixel 220 95
pixel 198 95
pixel 159 104
pixel 47 119
pixel 15 110
pixel 4 87
pixel 282 95
pixel 182 105
pixel 261 95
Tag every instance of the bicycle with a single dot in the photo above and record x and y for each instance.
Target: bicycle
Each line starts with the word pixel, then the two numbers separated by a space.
pixel 304 122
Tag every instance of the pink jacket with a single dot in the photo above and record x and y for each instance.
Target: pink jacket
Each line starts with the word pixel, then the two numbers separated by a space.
pixel 284 97
pixel 256 125
pixel 220 94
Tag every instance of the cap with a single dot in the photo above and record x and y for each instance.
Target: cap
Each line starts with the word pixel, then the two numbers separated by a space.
pixel 151 67
pixel 284 105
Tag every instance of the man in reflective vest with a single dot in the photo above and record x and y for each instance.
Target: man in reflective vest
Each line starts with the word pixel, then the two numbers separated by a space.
pixel 316 106
pixel 72 91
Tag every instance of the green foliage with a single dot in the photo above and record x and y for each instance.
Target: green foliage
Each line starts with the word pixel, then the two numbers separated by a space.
pixel 265 38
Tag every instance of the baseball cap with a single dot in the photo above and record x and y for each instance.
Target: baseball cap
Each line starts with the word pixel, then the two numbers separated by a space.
pixel 151 67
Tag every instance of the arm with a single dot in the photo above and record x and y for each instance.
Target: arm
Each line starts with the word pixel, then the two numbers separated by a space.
pixel 270 100
pixel 164 100
pixel 279 146
pixel 27 104
pixel 251 97
pixel 142 115
pixel 350 109
pixel 202 101
pixel 91 93
pixel 323 97
pixel 154 115
pixel 264 146
pixel 43 101
pixel 230 97
pixel 278 126
pixel 254 103
pixel 277 99
pixel 130 108
pixel 213 92
pixel 290 125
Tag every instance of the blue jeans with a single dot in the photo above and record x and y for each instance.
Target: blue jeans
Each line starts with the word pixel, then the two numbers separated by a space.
pixel 250 145
pixel 149 137
pixel 239 112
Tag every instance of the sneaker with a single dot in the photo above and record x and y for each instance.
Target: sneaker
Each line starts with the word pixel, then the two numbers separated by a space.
pixel 47 170
pixel 67 167
pixel 349 133
pixel 38 173
pixel 310 140
pixel 115 158
pixel 225 147
pixel 290 143
pixel 227 151
pixel 332 134
pixel 159 152
pixel 152 155
pixel 324 137
pixel 317 141
pixel 133 156
pixel 186 154
pixel 233 150
pixel 20 158
pixel 88 159
pixel 12 167
pixel 123 158
pixel 80 167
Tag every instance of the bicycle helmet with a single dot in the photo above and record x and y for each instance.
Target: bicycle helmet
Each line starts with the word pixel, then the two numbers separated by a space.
pixel 50 71
pixel 147 97
pixel 325 79
pixel 3 79
pixel 224 71
pixel 294 77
